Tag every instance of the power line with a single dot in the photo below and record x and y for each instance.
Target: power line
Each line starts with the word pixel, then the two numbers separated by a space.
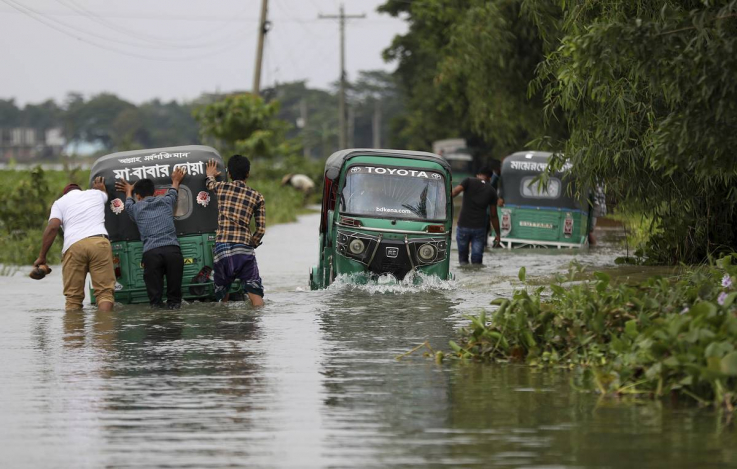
pixel 76 31
pixel 41 19
pixel 341 98
pixel 74 6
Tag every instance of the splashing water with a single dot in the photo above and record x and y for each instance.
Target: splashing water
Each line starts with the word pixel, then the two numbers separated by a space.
pixel 417 282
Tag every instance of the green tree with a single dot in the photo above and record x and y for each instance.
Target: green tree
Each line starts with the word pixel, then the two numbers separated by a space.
pixel 466 69
pixel 648 91
pixel 245 124
pixel 94 120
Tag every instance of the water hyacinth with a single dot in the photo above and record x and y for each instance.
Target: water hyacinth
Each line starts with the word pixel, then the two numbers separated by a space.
pixel 726 281
pixel 722 297
pixel 661 337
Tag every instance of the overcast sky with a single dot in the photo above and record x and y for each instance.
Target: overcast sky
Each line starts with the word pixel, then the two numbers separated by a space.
pixel 178 49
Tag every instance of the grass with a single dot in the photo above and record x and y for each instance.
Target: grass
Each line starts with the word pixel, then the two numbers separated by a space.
pixel 26 198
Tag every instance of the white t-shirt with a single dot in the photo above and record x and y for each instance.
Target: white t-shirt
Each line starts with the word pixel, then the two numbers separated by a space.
pixel 82 214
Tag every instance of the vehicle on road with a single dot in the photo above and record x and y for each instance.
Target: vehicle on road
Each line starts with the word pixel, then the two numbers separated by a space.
pixel 384 212
pixel 536 214
pixel 195 217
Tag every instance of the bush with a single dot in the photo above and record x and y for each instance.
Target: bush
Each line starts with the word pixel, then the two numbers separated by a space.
pixel 662 337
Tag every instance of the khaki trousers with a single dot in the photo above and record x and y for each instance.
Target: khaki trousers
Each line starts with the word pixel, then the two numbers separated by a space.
pixel 93 255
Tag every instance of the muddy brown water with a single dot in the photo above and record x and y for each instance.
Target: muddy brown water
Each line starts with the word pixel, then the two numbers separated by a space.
pixel 310 381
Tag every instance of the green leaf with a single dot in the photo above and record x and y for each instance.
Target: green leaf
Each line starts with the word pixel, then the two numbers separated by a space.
pixel 728 364
pixel 703 308
pixel 630 328
pixel 557 290
pixel 456 348
pixel 522 274
pixel 729 300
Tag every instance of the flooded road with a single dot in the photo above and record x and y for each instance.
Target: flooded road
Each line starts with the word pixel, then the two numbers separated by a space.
pixel 310 381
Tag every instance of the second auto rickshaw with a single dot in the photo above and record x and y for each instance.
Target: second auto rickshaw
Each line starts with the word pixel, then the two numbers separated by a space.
pixel 539 215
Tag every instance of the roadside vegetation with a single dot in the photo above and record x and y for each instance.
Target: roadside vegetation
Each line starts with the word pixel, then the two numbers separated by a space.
pixel 26 198
pixel 661 338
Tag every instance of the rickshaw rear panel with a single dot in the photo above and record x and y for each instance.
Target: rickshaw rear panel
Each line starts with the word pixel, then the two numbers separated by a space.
pixel 195 217
pixel 538 216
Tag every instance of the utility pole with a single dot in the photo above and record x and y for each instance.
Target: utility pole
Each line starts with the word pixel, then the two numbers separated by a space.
pixel 341 98
pixel 306 150
pixel 263 28
pixel 351 126
pixel 376 123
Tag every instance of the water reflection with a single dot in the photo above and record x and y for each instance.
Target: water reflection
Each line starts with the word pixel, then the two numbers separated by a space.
pixel 311 380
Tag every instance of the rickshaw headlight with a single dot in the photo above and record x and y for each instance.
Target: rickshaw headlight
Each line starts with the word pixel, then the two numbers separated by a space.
pixel 356 247
pixel 426 252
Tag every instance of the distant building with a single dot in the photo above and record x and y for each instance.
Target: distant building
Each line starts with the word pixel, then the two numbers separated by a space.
pixel 25 144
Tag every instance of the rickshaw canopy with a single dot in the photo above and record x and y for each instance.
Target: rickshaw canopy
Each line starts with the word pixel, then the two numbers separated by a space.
pixel 196 210
pixel 520 187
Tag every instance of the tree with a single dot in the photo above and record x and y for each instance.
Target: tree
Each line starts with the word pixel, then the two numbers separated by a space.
pixel 245 124
pixel 93 120
pixel 649 94
pixel 466 68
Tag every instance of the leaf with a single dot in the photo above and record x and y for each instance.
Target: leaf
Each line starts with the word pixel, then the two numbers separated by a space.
pixel 522 274
pixel 456 348
pixel 557 290
pixel 630 328
pixel 728 364
pixel 703 308
pixel 730 299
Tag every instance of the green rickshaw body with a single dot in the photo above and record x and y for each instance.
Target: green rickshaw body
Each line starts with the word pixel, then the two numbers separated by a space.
pixel 195 217
pixel 534 216
pixel 384 212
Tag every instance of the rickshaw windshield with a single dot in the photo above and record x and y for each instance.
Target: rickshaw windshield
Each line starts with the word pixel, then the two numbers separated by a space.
pixel 394 193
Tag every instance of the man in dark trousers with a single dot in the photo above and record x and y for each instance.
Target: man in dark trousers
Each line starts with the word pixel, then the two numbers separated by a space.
pixel 162 256
pixel 478 197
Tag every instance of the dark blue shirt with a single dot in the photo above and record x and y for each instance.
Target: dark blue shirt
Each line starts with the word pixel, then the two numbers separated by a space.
pixel 155 219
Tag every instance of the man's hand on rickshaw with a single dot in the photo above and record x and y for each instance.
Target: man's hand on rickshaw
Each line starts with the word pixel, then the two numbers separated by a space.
pixel 177 176
pixel 500 202
pixel 124 186
pixel 497 242
pixel 99 184
pixel 211 170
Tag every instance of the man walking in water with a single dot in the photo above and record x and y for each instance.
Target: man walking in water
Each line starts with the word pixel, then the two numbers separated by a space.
pixel 81 215
pixel 478 196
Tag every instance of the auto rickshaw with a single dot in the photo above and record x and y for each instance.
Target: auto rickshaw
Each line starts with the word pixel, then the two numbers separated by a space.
pixel 384 212
pixel 539 215
pixel 195 217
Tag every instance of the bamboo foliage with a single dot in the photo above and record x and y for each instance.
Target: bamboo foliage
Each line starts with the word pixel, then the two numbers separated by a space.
pixel 649 94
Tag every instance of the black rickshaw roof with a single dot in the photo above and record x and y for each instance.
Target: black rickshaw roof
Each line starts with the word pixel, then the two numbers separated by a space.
pixel 336 161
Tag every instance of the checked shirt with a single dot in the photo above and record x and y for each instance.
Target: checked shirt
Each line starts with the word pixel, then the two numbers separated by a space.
pixel 237 204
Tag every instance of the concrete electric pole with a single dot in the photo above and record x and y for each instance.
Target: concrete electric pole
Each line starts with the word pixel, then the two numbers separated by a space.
pixel 341 98
pixel 262 30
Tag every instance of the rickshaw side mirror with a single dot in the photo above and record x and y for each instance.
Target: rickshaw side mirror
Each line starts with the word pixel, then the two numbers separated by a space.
pixel 332 173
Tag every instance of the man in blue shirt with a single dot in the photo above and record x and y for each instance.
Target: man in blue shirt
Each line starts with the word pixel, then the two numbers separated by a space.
pixel 162 256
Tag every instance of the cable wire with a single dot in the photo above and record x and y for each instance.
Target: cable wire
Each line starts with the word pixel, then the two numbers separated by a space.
pixel 41 19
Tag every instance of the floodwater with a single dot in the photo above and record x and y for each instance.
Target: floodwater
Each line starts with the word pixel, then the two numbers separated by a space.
pixel 311 381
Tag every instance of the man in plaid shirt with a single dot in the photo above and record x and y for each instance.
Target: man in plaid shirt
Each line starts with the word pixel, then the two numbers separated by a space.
pixel 234 245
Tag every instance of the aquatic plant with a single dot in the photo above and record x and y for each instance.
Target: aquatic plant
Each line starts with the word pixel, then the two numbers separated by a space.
pixel 662 337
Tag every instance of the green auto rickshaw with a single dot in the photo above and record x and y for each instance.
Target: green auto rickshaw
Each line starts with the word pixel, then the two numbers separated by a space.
pixel 384 212
pixel 539 215
pixel 195 217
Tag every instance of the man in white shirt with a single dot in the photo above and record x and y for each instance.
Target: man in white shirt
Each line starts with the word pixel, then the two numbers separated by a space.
pixel 81 215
